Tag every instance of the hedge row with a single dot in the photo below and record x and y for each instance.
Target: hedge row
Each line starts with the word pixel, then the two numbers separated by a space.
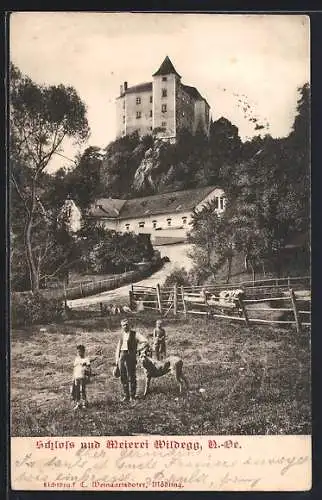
pixel 28 309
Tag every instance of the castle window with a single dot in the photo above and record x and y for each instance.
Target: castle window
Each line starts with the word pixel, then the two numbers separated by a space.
pixel 123 119
pixel 164 78
pixel 169 222
pixel 150 112
pixel 164 93
pixel 216 202
pixel 221 200
pixel 150 128
pixel 127 227
pixel 141 224
pixel 151 99
pixel 138 100
pixel 164 108
pixel 154 224
pixel 163 124
pixel 138 114
pixel 184 220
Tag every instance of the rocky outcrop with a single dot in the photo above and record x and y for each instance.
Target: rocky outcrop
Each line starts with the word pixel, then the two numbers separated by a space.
pixel 148 173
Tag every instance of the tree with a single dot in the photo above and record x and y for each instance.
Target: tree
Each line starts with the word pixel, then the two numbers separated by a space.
pixel 41 117
pixel 213 245
pixel 81 183
pixel 106 251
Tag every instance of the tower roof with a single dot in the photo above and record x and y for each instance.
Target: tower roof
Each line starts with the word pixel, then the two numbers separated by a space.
pixel 166 68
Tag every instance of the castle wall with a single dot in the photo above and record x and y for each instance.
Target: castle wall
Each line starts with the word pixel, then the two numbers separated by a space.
pixel 164 120
pixel 184 110
pixel 120 113
pixel 201 116
pixel 142 124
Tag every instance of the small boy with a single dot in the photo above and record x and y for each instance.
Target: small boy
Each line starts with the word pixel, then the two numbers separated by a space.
pixel 159 340
pixel 81 377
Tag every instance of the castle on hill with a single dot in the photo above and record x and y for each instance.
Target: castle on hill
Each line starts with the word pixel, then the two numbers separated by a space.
pixel 163 107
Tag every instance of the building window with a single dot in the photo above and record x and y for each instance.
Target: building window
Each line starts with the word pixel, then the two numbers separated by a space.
pixel 138 100
pixel 164 93
pixel 123 119
pixel 164 108
pixel 150 112
pixel 163 124
pixel 150 128
pixel 216 202
pixel 154 224
pixel 127 227
pixel 169 222
pixel 138 114
pixel 151 99
pixel 141 224
pixel 221 203
pixel 184 220
pixel 164 78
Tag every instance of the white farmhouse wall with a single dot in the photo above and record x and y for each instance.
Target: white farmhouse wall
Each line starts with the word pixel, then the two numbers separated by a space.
pixel 175 224
pixel 216 193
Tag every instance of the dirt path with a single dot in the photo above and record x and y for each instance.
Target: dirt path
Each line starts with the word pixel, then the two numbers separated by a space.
pixel 122 293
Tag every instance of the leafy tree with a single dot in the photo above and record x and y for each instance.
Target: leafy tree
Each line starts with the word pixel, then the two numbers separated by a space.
pixel 106 251
pixel 213 245
pixel 41 117
pixel 81 183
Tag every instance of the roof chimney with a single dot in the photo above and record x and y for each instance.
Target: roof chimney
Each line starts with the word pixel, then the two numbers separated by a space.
pixel 121 89
pixel 125 86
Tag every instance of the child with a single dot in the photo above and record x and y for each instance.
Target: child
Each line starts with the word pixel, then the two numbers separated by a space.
pixel 159 340
pixel 81 377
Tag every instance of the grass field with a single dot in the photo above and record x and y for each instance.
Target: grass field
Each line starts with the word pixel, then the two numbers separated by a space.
pixel 241 381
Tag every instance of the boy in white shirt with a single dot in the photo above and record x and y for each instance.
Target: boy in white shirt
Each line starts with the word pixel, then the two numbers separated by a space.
pixel 81 377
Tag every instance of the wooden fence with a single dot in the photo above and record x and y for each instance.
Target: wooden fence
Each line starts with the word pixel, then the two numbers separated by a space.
pixel 282 301
pixel 84 289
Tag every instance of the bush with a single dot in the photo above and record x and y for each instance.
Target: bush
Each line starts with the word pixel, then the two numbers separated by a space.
pixel 28 308
pixel 179 276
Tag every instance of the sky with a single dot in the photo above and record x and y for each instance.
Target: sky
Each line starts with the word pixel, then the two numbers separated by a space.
pixel 246 66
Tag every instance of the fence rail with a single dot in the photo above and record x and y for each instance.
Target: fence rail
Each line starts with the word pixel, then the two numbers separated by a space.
pixel 85 289
pixel 194 300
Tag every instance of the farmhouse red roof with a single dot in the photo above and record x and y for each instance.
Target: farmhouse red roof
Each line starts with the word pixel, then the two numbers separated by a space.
pixel 178 201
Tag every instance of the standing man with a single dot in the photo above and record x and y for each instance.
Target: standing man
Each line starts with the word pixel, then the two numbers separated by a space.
pixel 125 358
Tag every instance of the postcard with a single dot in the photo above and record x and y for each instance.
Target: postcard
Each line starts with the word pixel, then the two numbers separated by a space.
pixel 160 252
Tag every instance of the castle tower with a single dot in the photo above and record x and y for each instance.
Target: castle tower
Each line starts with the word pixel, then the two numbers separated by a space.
pixel 165 83
pixel 162 107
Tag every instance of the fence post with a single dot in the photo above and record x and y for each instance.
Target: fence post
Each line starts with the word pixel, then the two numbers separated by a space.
pixel 65 296
pixel 131 298
pixel 183 302
pixel 159 298
pixel 175 299
pixel 243 308
pixel 296 313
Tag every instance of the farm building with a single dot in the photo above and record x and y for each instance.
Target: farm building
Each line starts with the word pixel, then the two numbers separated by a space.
pixel 166 217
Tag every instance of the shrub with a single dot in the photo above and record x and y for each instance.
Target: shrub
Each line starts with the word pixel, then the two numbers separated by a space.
pixel 28 308
pixel 179 276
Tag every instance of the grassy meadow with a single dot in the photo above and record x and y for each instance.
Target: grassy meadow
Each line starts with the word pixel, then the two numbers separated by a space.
pixel 242 381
